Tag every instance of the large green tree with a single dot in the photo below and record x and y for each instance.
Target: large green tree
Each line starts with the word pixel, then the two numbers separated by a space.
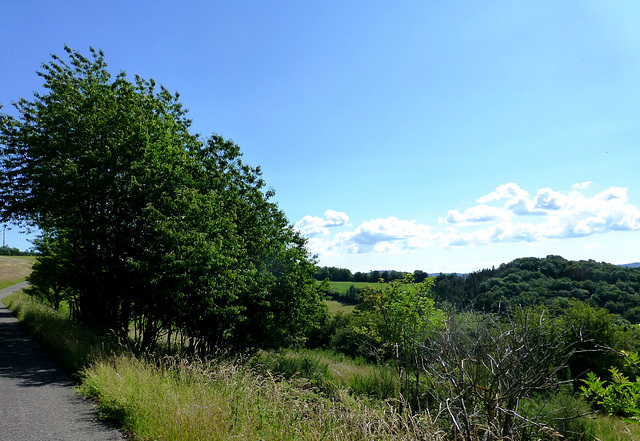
pixel 161 229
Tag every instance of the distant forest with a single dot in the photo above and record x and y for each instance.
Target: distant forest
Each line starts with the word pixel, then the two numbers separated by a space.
pixel 551 281
pixel 334 274
pixel 12 251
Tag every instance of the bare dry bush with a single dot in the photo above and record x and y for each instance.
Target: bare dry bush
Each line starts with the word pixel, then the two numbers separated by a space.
pixel 484 365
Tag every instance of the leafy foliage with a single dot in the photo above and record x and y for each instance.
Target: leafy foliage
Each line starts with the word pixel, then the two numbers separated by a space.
pixel 395 322
pixel 147 224
pixel 552 281
pixel 620 396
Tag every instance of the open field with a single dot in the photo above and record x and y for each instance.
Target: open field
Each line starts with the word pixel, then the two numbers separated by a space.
pixel 14 269
pixel 343 287
pixel 336 307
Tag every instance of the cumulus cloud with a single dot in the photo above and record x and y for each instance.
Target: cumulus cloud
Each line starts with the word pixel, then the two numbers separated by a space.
pixel 316 226
pixel 508 214
pixel 565 215
pixel 517 199
pixel 391 234
pixel 549 200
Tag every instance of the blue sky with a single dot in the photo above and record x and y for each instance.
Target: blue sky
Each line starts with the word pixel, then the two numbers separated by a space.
pixel 442 136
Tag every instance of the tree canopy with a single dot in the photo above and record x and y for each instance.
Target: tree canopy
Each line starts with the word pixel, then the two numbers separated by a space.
pixel 148 223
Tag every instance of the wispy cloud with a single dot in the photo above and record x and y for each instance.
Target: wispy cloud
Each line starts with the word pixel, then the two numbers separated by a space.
pixel 582 185
pixel 478 213
pixel 507 214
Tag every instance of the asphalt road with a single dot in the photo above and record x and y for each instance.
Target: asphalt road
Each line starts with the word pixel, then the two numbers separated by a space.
pixel 37 399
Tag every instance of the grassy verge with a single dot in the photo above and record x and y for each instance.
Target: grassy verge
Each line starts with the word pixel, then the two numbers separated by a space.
pixel 184 400
pixel 331 372
pixel 293 395
pixel 178 399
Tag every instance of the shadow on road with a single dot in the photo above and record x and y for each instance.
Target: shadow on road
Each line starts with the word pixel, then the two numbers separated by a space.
pixel 22 358
pixel 37 399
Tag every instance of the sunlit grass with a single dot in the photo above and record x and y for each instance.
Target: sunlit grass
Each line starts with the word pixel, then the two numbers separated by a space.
pixel 186 400
pixel 330 372
pixel 313 395
pixel 183 399
pixel 14 269
pixel 343 287
pixel 335 307
pixel 614 429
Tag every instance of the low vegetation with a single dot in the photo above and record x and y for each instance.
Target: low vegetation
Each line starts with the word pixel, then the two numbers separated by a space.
pixel 289 396
pixel 305 394
pixel 176 399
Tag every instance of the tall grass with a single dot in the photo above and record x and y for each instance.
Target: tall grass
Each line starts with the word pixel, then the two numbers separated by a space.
pixel 181 399
pixel 186 400
pixel 329 371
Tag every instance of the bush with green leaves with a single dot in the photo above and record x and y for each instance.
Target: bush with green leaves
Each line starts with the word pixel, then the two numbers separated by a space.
pixel 618 396
pixel 394 323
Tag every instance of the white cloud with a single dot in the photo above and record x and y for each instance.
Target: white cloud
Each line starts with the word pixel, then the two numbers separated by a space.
pixel 502 216
pixel 390 234
pixel 582 185
pixel 548 200
pixel 613 193
pixel 479 213
pixel 336 218
pixel 312 226
pixel 505 191
pixel 517 199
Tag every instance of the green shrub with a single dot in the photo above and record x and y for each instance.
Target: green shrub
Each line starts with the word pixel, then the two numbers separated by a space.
pixel 619 396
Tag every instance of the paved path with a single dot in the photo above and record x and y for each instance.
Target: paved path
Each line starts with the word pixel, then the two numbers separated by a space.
pixel 37 399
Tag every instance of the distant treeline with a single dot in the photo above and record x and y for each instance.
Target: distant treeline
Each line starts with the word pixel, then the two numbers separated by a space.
pixel 8 251
pixel 334 274
pixel 551 281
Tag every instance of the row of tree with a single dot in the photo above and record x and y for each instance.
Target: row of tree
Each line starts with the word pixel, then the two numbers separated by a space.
pixel 335 274
pixel 13 251
pixel 145 224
